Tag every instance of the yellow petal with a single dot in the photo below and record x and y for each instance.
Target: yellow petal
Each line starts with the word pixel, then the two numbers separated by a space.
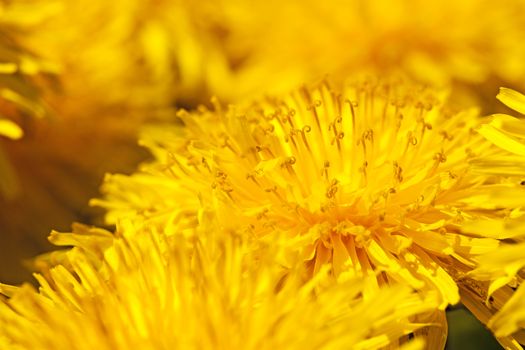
pixel 511 125
pixel 416 344
pixel 10 129
pixel 512 99
pixel 509 319
pixel 422 264
pixel 436 333
pixel 498 229
pixel 501 139
pixel 340 254
pixel 511 165
pixel 7 290
pixel 387 262
pixel 8 68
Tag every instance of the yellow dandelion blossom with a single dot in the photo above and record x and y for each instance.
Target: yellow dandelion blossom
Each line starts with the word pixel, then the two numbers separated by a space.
pixel 114 62
pixel 504 273
pixel 154 291
pixel 508 133
pixel 373 179
pixel 132 60
pixel 510 318
pixel 430 41
pixel 175 51
pixel 131 53
pixel 504 269
pixel 52 172
pixel 18 93
pixel 21 104
pixel 504 310
pixel 280 45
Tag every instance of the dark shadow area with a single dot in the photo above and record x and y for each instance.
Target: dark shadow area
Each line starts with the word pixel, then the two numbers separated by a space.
pixel 465 332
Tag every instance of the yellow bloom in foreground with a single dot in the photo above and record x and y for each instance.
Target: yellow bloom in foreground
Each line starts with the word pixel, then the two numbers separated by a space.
pixel 508 133
pixel 127 61
pixel 373 179
pixel 506 266
pixel 149 290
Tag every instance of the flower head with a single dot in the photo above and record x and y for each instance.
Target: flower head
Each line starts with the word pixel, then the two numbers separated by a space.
pixel 19 67
pixel 131 55
pixel 276 45
pixel 504 269
pixel 19 95
pixel 176 51
pixel 21 104
pixel 373 179
pixel 155 291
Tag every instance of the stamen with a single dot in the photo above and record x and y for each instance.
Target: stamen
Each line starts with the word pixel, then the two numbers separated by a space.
pixel 252 176
pixel 274 190
pixel 332 189
pixel 324 171
pixel 446 136
pixel 440 157
pixel 398 173
pixel 353 105
pixel 362 169
pixel 206 165
pixel 306 129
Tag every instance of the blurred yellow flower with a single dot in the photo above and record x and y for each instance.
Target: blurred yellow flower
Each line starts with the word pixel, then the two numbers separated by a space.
pixel 49 175
pixel 286 43
pixel 149 290
pixel 19 96
pixel 21 105
pixel 373 179
pixel 131 54
pixel 154 53
pixel 18 70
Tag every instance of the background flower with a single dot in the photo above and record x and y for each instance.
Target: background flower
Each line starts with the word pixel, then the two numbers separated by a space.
pixel 471 44
pixel 21 104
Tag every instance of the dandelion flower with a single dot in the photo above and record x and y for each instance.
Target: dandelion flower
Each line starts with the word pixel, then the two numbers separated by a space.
pixel 508 133
pixel 373 179
pixel 113 62
pixel 129 61
pixel 154 291
pixel 21 104
pixel 504 268
pixel 19 96
pixel 280 45
pixel 175 51
pixel 19 67
pixel 131 54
